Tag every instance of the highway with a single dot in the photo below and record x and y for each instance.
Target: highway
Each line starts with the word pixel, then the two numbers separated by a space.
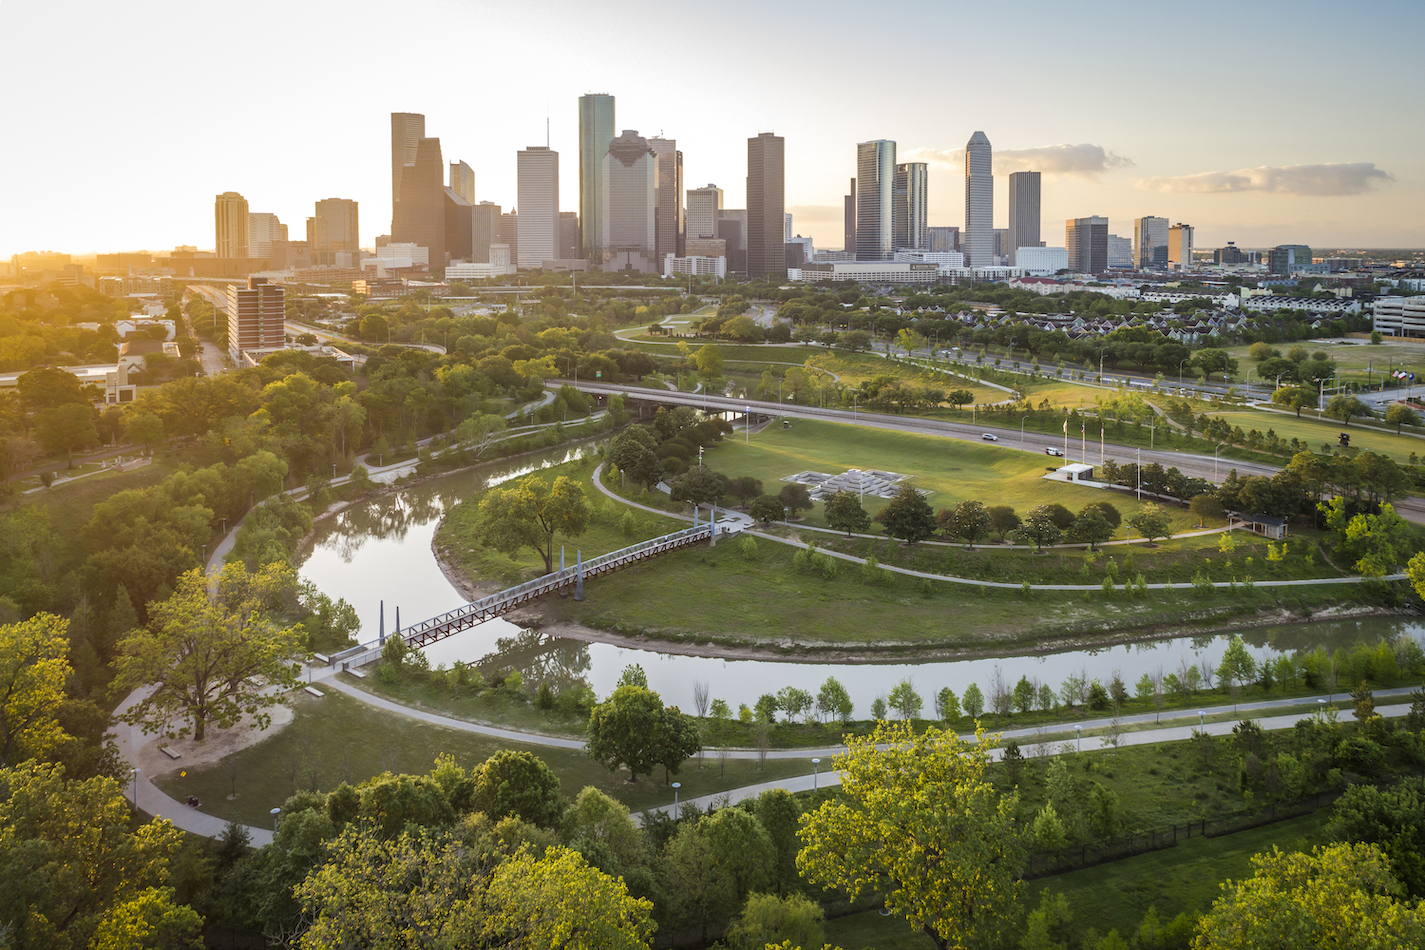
pixel 1195 466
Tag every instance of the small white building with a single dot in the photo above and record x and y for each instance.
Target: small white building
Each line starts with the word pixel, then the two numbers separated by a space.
pixel 1041 261
pixel 696 266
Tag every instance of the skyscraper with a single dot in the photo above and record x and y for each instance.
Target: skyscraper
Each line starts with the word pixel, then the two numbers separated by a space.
pixel 1086 240
pixel 569 235
pixel 1286 259
pixel 596 131
pixel 849 243
pixel 1023 212
pixel 875 200
pixel 263 231
pixel 462 181
pixel 420 210
pixel 1150 242
pixel 459 227
pixel 1180 247
pixel 909 212
pixel 230 223
pixel 732 231
pixel 485 230
pixel 670 227
pixel 538 204
pixel 257 316
pixel 407 130
pixel 942 239
pixel 630 210
pixel 978 242
pixel 333 230
pixel 703 205
pixel 766 205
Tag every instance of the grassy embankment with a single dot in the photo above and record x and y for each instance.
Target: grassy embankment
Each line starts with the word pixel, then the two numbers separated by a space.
pixel 339 739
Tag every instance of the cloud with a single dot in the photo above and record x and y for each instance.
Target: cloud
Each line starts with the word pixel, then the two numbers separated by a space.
pixel 1080 161
pixel 1330 179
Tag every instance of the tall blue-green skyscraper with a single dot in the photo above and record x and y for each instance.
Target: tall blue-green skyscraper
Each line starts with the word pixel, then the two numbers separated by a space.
pixel 596 131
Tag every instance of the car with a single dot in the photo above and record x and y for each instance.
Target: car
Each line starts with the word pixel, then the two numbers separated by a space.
pixel 989 438
pixel 1050 450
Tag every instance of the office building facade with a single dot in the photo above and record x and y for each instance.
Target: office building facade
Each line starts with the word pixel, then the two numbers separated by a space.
pixel 334 233
pixel 1086 240
pixel 257 316
pixel 978 240
pixel 1024 219
pixel 669 230
pixel 569 236
pixel 485 231
pixel 407 130
pixel 849 225
pixel 875 200
pixel 1120 253
pixel 732 231
pixel 1287 259
pixel 630 211
pixel 459 227
pixel 537 169
pixel 1150 242
pixel 908 215
pixel 462 181
pixel 1180 247
pixel 420 210
pixel 766 205
pixel 703 205
pixel 596 131
pixel 230 224
pixel 943 238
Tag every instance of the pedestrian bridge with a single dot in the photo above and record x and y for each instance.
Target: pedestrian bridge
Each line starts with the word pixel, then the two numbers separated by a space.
pixel 426 632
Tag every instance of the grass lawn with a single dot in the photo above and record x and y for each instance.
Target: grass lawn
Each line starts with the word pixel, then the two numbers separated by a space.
pixel 1315 432
pixel 337 739
pixel 1352 356
pixel 950 469
pixel 1115 896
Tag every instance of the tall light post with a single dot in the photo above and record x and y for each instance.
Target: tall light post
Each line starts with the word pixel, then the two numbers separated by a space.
pixel 676 786
pixel 1180 371
pixel 275 812
pixel 1021 430
pixel 747 424
pixel 815 768
pixel 1078 738
pixel 1138 471
pixel 1214 459
pixel 134 783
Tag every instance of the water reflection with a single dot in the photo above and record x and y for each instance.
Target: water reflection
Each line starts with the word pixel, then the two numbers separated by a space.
pixel 380 552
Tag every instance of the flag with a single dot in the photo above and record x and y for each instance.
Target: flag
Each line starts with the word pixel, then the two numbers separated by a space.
pixel 1066 425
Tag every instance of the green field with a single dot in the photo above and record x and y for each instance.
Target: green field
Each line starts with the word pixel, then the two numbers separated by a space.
pixel 1315 432
pixel 339 739
pixel 1352 356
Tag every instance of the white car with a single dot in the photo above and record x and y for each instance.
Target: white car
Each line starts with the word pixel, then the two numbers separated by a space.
pixel 1050 450
pixel 989 438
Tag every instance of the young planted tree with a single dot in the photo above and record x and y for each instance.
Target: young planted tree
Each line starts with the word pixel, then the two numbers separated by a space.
pixel 213 655
pixel 1038 528
pixel 833 701
pixel 1090 528
pixel 1151 522
pixel 905 700
pixel 795 498
pixel 1003 520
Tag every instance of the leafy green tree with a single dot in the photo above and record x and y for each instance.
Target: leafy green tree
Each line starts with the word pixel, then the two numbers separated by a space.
pixel 778 814
pixel 1206 508
pixel 796 702
pixel 519 784
pixel 1399 414
pixel 1210 360
pixel 708 360
pixel 1294 397
pixel 213 653
pixel 151 918
pixel 1091 528
pixel 699 485
pixel 1038 528
pixel 795 498
pixel 633 451
pixel 476 434
pixel 1346 407
pixel 632 729
pixel 1340 896
pixel 531 513
pixel 66 428
pixel 833 701
pixel 1151 522
pixel 1003 520
pixel 699 887
pixel 971 522
pixel 766 509
pixel 973 700
pixel 843 512
pixel 1237 665
pixel 947 706
pixel 1392 819
pixel 74 865
pixel 1024 695
pixel 905 700
pixel 920 821
pixel 34 666
pixel 145 428
pixel 595 818
pixel 767 920
pixel 908 517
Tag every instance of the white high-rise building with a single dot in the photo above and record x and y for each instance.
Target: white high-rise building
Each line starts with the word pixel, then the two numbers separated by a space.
pixel 786 227
pixel 703 205
pixel 875 200
pixel 538 221
pixel 978 242
pixel 262 230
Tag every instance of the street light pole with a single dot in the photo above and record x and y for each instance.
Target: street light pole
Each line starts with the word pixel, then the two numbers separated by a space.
pixel 676 786
pixel 1021 430
pixel 1214 459
pixel 275 812
pixel 815 767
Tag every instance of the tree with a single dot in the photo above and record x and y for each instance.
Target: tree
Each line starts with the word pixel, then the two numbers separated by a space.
pixel 920 821
pixel 947 706
pixel 531 513
pixel 833 701
pixel 795 498
pixel 633 729
pixel 794 701
pixel 1091 528
pixel 1038 528
pixel 1293 397
pixel 1024 695
pixel 1237 665
pixel 973 701
pixel 1392 819
pixel 766 509
pixel 1151 522
pixel 843 512
pixel 708 360
pixel 34 665
pixel 518 784
pixel 1340 896
pixel 1211 361
pixel 1345 407
pixel 66 428
pixel 905 700
pixel 374 327
pixel 1399 414
pixel 1415 570
pixel 1206 507
pixel 213 655
pixel 1003 520
pixel 699 485
pixel 145 428
pixel 71 859
pixel 908 517
pixel 475 435
pixel 971 522
pixel 767 919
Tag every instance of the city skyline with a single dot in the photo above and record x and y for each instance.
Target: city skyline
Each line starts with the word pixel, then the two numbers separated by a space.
pixel 1246 169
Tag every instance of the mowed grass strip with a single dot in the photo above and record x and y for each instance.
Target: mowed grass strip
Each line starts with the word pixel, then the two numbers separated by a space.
pixel 1316 432
pixel 338 738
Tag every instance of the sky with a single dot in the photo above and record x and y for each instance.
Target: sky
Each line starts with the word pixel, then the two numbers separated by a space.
pixel 1262 123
